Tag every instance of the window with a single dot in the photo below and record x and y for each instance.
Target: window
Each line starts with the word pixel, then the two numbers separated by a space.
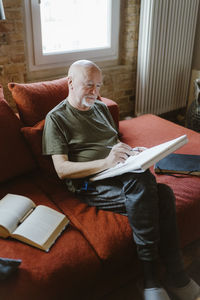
pixel 62 31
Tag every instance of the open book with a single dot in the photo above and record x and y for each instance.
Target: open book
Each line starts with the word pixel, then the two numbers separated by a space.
pixel 143 160
pixel 37 226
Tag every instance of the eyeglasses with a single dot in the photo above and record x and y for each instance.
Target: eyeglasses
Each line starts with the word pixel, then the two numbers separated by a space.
pixel 92 85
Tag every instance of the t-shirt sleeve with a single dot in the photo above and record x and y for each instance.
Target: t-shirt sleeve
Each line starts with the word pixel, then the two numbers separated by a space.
pixel 53 140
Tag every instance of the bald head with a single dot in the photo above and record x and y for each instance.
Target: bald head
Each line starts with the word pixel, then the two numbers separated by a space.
pixel 82 66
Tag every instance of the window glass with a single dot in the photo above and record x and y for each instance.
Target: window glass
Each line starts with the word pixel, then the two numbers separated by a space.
pixel 70 25
pixel 61 31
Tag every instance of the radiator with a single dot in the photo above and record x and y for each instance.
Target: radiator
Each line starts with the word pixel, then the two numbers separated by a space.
pixel 165 49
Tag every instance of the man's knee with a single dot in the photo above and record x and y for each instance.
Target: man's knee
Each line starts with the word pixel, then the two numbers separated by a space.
pixel 148 177
pixel 166 197
pixel 147 182
pixel 149 185
pixel 142 196
pixel 165 191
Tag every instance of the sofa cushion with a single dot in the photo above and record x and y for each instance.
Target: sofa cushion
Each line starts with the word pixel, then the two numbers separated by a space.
pixel 150 130
pixel 113 108
pixel 35 100
pixel 14 154
pixel 33 135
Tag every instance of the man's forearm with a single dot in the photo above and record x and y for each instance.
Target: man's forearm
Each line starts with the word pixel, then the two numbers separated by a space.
pixel 69 169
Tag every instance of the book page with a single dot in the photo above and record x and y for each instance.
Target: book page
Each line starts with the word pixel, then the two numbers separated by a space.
pixel 12 209
pixel 39 225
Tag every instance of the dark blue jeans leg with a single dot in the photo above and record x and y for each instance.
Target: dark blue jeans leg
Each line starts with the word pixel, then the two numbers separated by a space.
pixel 169 247
pixel 142 206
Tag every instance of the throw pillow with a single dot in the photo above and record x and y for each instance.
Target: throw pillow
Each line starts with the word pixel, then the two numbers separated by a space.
pixel 15 157
pixel 33 135
pixel 35 100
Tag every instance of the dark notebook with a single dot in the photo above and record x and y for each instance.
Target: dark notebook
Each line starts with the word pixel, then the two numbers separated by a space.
pixel 179 163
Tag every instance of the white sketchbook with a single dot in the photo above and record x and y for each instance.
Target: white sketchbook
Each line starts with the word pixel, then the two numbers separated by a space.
pixel 143 160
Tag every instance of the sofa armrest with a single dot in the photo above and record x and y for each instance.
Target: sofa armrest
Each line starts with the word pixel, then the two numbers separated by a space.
pixel 113 108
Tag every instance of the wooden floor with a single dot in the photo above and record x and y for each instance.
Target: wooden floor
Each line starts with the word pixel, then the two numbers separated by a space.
pixel 191 257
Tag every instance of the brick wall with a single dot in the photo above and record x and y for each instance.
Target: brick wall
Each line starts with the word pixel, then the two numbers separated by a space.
pixel 119 80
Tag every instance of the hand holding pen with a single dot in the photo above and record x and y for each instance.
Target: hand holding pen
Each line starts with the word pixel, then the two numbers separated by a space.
pixel 134 151
pixel 120 152
pixel 138 150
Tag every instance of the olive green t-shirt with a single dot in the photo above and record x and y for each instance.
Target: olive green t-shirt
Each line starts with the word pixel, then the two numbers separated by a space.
pixel 82 135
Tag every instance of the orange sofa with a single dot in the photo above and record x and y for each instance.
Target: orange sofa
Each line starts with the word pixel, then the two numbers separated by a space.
pixel 96 253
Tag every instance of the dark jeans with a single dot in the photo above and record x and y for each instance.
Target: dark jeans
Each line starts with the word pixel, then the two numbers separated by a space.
pixel 150 208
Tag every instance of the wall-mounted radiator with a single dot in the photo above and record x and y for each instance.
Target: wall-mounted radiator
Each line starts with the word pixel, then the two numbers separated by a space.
pixel 166 40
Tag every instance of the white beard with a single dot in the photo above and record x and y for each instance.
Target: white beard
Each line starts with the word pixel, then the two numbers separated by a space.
pixel 89 103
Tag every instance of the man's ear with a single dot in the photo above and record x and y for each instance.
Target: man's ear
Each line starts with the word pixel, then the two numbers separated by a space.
pixel 69 79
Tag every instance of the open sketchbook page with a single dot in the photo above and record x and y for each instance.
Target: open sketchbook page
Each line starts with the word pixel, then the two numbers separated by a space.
pixel 12 209
pixel 40 225
pixel 143 160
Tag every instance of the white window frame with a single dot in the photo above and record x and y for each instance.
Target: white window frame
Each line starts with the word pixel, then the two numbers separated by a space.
pixel 38 61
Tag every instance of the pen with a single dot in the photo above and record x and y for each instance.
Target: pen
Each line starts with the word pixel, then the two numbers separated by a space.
pixel 110 147
pixel 135 150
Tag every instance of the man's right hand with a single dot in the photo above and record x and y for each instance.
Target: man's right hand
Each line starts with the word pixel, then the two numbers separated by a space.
pixel 119 153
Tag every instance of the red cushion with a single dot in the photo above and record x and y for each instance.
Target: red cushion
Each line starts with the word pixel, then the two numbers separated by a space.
pixel 35 100
pixel 33 135
pixel 15 157
pixel 113 108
